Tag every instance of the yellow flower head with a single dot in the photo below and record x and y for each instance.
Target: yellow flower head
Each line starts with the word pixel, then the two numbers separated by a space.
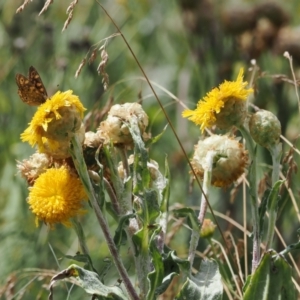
pixel 229 163
pixel 223 106
pixel 56 196
pixel 55 122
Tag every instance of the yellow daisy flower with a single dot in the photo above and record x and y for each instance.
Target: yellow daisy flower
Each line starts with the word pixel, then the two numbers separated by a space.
pixel 55 122
pixel 223 106
pixel 56 196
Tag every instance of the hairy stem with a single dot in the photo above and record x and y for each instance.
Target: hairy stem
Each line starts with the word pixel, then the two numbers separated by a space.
pixel 80 165
pixel 253 197
pixel 276 152
pixel 203 206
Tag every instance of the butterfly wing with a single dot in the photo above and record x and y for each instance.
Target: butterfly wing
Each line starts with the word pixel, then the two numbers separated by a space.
pixel 31 90
pixel 36 79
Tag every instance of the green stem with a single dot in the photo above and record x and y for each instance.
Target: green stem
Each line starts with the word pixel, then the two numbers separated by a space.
pixel 124 158
pixel 82 242
pixel 80 234
pixel 276 152
pixel 112 196
pixel 253 197
pixel 203 207
pixel 77 156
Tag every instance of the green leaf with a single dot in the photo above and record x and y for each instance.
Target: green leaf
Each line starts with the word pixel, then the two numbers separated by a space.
pixel 155 277
pixel 141 172
pixel 82 258
pixel 156 138
pixel 164 205
pixel 120 234
pixel 151 201
pixel 273 197
pixel 183 263
pixel 272 280
pixel 262 210
pixel 165 283
pixel 171 269
pixel 112 165
pixel 90 282
pixel 170 261
pixel 165 268
pixel 190 214
pixel 110 209
pixel 99 189
pixel 206 284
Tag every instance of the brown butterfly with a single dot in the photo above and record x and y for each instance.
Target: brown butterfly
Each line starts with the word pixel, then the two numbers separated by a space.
pixel 31 90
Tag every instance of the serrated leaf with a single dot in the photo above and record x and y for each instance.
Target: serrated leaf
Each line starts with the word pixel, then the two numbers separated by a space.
pixel 206 284
pixel 165 283
pixel 189 290
pixel 171 269
pixel 90 282
pixel 183 263
pixel 272 280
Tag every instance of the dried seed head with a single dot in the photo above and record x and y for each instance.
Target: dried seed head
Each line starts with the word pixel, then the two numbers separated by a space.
pixel 21 7
pixel 70 10
pixel 33 167
pixel 229 160
pixel 46 6
pixel 93 55
pixel 115 128
pixel 92 139
pixel 83 62
pixel 101 68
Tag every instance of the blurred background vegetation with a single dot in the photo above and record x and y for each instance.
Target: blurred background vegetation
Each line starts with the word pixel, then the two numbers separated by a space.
pixel 186 48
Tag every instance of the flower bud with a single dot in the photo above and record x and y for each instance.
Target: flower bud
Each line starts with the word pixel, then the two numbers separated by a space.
pixel 265 128
pixel 207 229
